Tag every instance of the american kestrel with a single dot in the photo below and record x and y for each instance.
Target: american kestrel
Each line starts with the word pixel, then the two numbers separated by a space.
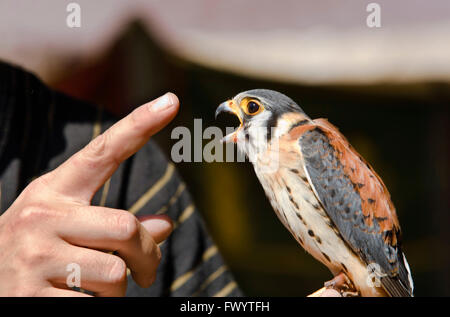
pixel 327 196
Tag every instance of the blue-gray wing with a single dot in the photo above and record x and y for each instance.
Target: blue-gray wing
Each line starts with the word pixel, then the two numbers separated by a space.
pixel 358 203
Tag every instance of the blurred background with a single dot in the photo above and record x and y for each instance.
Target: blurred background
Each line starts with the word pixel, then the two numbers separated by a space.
pixel 386 88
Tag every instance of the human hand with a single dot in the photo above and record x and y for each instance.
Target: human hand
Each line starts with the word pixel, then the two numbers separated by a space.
pixel 52 224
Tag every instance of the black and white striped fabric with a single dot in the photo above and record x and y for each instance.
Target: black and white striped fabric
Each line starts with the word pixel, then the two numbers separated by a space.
pixel 41 128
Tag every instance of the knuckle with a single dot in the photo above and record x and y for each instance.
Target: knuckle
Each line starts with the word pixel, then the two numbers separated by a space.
pixel 34 212
pixel 127 226
pixel 97 146
pixel 94 154
pixel 137 124
pixel 33 258
pixel 33 254
pixel 117 272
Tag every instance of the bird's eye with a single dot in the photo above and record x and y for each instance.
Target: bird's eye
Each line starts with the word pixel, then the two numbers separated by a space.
pixel 252 107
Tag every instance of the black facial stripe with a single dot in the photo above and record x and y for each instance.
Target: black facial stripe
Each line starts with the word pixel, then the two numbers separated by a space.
pixel 300 123
pixel 271 123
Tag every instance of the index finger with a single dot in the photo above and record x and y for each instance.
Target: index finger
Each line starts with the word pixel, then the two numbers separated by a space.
pixel 87 170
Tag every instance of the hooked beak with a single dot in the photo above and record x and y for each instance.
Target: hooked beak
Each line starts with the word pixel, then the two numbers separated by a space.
pixel 230 106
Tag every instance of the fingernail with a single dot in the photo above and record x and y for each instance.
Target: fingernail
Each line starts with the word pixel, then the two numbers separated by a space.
pixel 162 103
pixel 155 217
pixel 156 224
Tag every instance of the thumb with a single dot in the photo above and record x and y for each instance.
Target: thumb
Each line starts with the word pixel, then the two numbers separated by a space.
pixel 159 226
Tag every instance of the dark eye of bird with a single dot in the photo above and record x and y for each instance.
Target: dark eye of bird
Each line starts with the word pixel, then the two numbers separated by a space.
pixel 252 107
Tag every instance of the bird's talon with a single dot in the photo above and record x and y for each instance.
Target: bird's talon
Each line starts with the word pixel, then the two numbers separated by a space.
pixel 342 284
pixel 350 294
pixel 330 284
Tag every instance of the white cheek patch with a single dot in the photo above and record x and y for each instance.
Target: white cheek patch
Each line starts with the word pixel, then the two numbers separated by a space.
pixel 257 131
pixel 260 120
pixel 282 127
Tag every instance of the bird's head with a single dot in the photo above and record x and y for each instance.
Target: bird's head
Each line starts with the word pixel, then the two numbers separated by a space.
pixel 263 114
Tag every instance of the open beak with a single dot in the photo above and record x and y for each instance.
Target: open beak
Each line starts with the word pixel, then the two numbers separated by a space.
pixel 230 106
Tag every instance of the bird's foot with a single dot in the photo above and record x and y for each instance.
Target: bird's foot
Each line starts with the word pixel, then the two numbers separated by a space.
pixel 343 285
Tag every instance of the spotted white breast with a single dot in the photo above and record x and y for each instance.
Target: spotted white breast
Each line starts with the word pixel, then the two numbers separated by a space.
pixel 289 191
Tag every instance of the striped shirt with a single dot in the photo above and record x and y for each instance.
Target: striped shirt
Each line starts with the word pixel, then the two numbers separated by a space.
pixel 41 128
